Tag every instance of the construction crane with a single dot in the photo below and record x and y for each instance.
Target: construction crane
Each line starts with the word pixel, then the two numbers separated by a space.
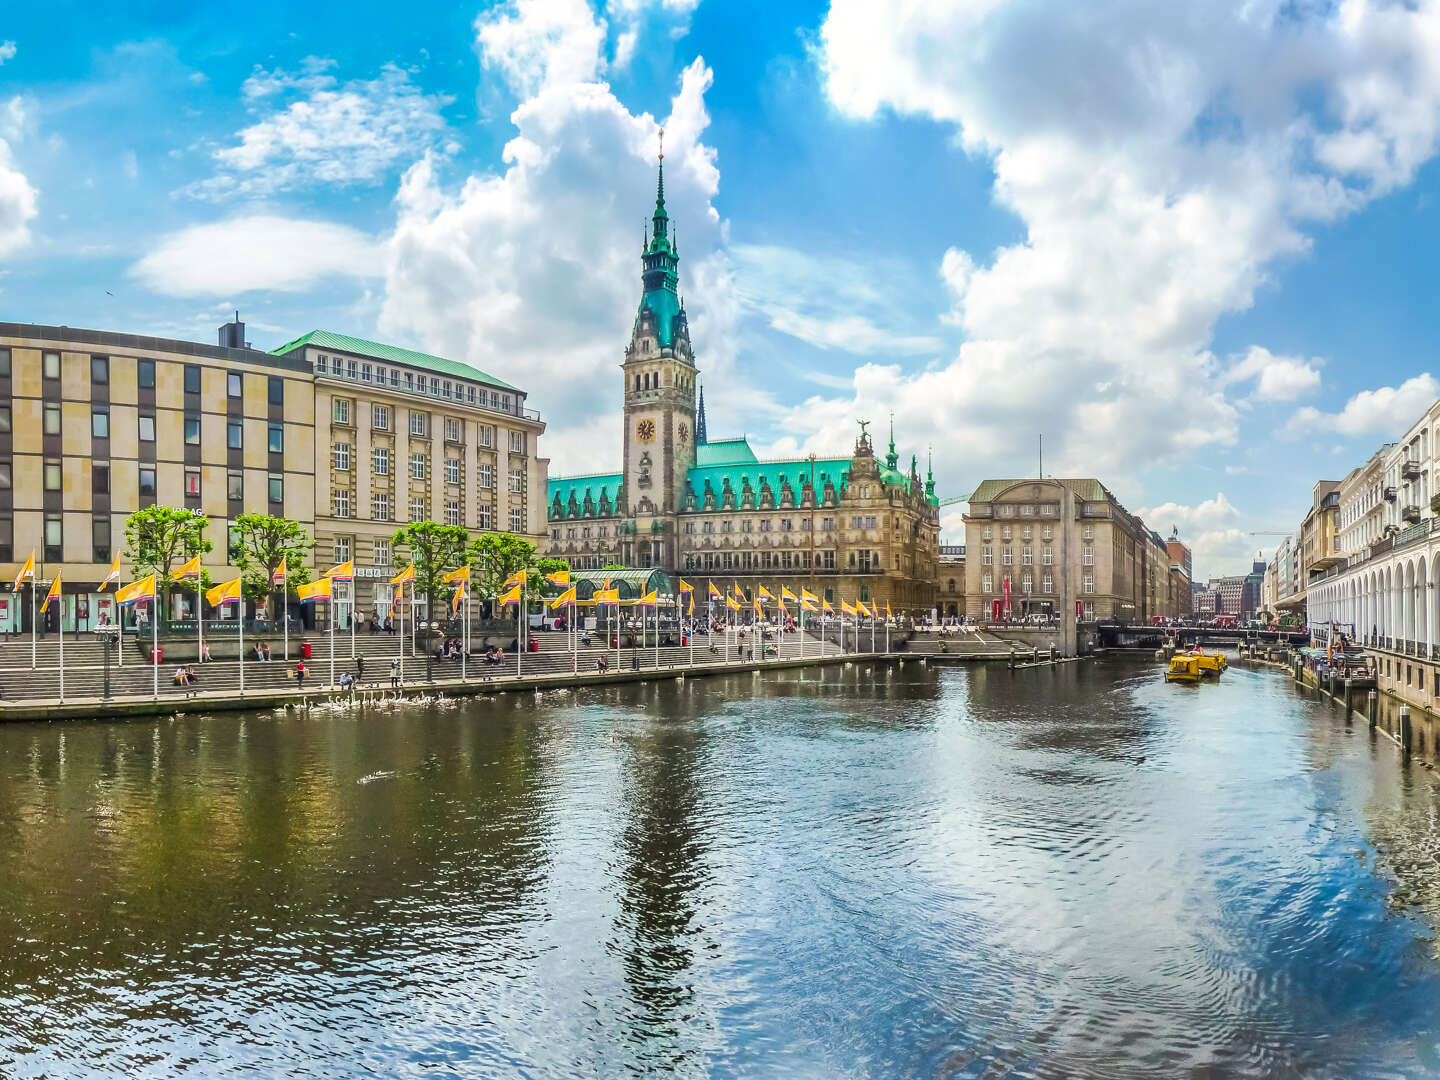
pixel 1271 532
pixel 954 499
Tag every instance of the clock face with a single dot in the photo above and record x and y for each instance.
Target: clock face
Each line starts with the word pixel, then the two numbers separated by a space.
pixel 645 430
pixel 684 433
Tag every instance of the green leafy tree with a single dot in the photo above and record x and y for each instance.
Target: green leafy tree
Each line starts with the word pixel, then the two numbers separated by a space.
pixel 434 550
pixel 494 557
pixel 614 566
pixel 547 566
pixel 160 539
pixel 261 542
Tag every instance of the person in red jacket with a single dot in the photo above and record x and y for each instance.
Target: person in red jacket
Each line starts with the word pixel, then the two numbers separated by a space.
pixel 300 675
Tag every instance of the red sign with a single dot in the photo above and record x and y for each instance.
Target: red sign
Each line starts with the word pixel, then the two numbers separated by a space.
pixel 1078 610
pixel 995 612
pixel 1006 582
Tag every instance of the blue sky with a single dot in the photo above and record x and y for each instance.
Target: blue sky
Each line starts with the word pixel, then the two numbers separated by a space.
pixel 1190 243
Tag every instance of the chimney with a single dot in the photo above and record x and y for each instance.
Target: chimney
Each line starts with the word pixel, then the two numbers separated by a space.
pixel 232 334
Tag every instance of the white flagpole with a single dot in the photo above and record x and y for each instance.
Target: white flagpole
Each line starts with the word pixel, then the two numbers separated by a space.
pixel 332 637
pixel 155 640
pixel 60 621
pixel 242 639
pixel 199 621
pixel 657 633
pixel 352 618
pixel 465 636
pixel 399 601
pixel 520 632
pixel 33 576
pixel 285 617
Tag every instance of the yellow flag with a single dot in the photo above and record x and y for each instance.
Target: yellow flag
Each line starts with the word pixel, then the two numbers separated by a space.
pixel 114 574
pixel 144 589
pixel 344 572
pixel 764 594
pixel 783 611
pixel 758 609
pixel 564 599
pixel 511 597
pixel 887 610
pixel 408 574
pixel 732 603
pixel 685 586
pixel 692 605
pixel 846 609
pixel 456 600
pixel 460 574
pixel 786 594
pixel 713 591
pixel 281 574
pixel 861 609
pixel 316 590
pixel 825 608
pixel 517 578
pixel 649 599
pixel 806 594
pixel 26 571
pixel 607 596
pixel 559 577
pixel 225 593
pixel 53 594
pixel 190 570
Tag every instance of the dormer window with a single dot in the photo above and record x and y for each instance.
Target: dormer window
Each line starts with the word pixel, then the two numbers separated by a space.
pixel 645 346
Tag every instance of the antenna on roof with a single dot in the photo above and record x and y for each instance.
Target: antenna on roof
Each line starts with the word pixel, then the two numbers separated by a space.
pixel 1042 455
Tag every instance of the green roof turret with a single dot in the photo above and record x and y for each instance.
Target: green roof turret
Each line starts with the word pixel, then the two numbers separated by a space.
pixel 892 459
pixel 660 275
pixel 930 472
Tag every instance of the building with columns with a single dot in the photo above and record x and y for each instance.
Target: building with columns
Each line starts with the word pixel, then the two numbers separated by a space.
pixel 846 526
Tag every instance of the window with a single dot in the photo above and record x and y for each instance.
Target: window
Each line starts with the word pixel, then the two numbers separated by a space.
pixel 380 461
pixel 234 384
pixel 471 395
pixel 379 374
pixel 321 363
pixel 1047 584
pixel 341 552
pixel 1027 511
pixel 380 417
pixel 54 537
pixel 99 479
pixel 1087 532
pixel 340 504
pixel 1026 532
pixel 765 525
pixel 342 456
pixel 1046 532
pixel 52 475
pixel 275 390
pixel 192 429
pixel 985 533
pixel 352 366
pixel 1027 583
pixel 987 556
pixel 452 470
pixel 380 507
pixel 364 372
pixel 99 369
pixel 517 480
pixel 145 374
pixel 382 553
pixel 485 435
pixel 235 485
pixel 1005 532
pixel 52 365
pixel 4 363
pixel 52 419
pixel 485 516
pixel 147 427
pixel 517 442
pixel 147 480
pixel 1087 556
pixel 1006 510
pixel 100 538
pixel 417 508
pixel 417 466
pixel 419 422
pixel 517 520
pixel 192 482
pixel 1027 557
pixel 1089 584
pixel 276 484
pixel 100 422
pixel 234 433
pixel 5 420
pixel 1046 555
pixel 192 379
pixel 7 479
pixel 277 438
pixel 1005 556
pixel 987 584
pixel 452 429
pixel 452 512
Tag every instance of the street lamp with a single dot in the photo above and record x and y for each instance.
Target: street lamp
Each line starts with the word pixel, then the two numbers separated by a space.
pixel 108 636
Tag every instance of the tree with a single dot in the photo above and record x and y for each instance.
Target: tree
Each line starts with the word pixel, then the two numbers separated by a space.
pixel 262 542
pixel 494 557
pixel 159 539
pixel 547 566
pixel 434 550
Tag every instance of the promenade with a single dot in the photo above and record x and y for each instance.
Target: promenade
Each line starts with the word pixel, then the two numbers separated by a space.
pixel 34 693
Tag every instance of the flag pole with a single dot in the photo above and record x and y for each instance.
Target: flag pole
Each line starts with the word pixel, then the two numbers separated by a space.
pixel 60 621
pixel 352 613
pixel 199 621
pixel 465 636
pixel 33 576
pixel 400 606
pixel 332 637
pixel 520 632
pixel 155 639
pixel 242 638
pixel 285 613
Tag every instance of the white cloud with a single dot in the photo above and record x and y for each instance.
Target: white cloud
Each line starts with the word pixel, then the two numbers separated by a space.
pixel 312 130
pixel 18 201
pixel 1211 528
pixel 7 51
pixel 1277 378
pixel 533 272
pixel 1161 158
pixel 246 254
pixel 1386 410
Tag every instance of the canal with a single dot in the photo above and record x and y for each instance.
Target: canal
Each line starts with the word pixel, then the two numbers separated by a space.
pixel 926 872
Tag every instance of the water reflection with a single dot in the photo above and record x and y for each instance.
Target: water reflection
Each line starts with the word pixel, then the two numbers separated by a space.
pixel 860 872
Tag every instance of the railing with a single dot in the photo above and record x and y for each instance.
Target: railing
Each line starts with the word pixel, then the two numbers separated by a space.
pixel 396 386
pixel 1410 470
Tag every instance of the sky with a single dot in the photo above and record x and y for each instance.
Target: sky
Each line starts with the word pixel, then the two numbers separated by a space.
pixel 1191 244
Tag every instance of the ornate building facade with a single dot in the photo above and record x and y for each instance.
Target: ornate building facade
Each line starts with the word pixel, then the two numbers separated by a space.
pixel 848 526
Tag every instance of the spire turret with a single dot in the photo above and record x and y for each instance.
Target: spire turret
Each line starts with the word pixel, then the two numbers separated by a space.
pixel 892 459
pixel 930 471
pixel 661 273
pixel 700 437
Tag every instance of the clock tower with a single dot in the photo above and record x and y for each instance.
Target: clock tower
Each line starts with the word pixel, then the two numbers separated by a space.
pixel 659 384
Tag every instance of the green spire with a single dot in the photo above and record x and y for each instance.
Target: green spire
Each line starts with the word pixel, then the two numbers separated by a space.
pixel 892 459
pixel 660 269
pixel 930 471
pixel 660 222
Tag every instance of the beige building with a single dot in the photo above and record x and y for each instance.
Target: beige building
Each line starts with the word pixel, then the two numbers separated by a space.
pixel 406 436
pixel 950 584
pixel 1063 544
pixel 95 425
pixel 1320 531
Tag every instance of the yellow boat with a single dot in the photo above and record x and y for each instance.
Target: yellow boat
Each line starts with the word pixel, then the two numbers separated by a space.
pixel 1192 667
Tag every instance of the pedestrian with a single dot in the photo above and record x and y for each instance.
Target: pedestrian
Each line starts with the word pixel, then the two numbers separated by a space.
pixel 360 667
pixel 375 621
pixel 394 671
pixel 300 675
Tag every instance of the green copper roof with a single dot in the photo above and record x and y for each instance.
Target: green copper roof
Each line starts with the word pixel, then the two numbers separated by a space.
pixel 596 484
pixel 665 303
pixel 725 452
pixel 1086 490
pixel 772 472
pixel 391 354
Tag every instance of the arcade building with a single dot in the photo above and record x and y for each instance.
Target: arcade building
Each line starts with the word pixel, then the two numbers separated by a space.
pixel 847 526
